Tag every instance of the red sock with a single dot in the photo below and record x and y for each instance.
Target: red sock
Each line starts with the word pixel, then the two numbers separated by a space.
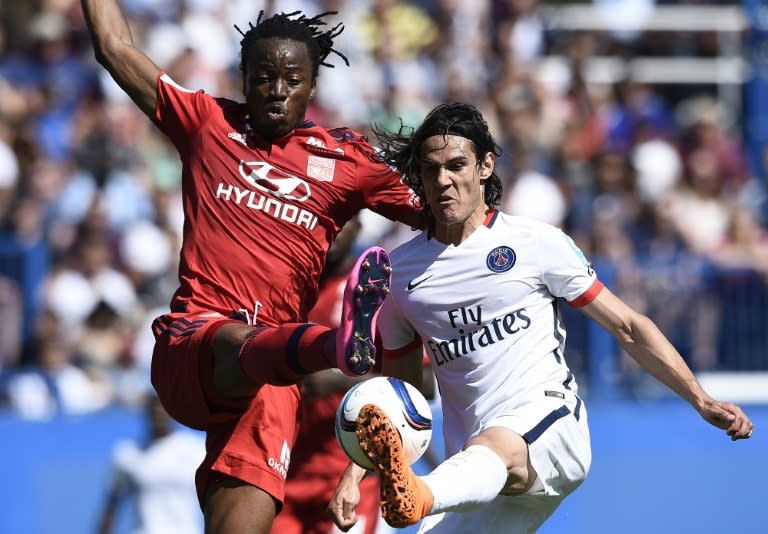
pixel 285 354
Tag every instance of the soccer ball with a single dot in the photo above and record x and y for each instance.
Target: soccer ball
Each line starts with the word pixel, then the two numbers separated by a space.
pixel 405 406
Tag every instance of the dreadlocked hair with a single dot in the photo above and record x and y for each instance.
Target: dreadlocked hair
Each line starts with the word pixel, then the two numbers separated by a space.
pixel 402 149
pixel 298 27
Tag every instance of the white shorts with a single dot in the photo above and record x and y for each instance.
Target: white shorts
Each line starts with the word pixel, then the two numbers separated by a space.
pixel 560 452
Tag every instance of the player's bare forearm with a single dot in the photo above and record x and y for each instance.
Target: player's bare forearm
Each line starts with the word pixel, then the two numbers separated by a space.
pixel 113 46
pixel 651 349
pixel 657 355
pixel 644 342
pixel 345 499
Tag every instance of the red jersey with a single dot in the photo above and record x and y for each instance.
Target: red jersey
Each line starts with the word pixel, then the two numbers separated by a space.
pixel 260 215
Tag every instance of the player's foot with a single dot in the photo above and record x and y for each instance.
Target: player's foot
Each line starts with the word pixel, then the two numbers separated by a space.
pixel 366 288
pixel 405 498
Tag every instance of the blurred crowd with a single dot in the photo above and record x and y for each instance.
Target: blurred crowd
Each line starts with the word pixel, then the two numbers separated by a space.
pixel 651 181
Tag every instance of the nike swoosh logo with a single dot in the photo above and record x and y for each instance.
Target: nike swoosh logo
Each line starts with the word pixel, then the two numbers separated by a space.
pixel 413 284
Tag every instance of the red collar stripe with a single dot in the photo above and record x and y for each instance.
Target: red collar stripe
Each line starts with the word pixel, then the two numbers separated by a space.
pixel 491 217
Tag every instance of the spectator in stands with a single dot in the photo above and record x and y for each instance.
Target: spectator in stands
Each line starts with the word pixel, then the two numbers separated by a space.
pixel 745 246
pixel 53 385
pixel 158 472
pixel 11 311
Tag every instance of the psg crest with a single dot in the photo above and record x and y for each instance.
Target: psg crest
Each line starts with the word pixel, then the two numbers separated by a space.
pixel 500 259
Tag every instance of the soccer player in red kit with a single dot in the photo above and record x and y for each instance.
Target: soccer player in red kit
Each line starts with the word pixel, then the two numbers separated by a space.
pixel 264 193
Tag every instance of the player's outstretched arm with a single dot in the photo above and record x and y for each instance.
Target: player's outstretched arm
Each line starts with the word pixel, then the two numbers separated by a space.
pixel 644 342
pixel 113 44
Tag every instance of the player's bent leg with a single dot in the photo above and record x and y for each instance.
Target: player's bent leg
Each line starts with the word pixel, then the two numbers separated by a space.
pixel 366 288
pixel 233 506
pixel 246 357
pixel 405 499
pixel 512 449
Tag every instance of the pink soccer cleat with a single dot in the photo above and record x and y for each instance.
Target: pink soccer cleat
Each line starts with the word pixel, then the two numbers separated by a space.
pixel 367 285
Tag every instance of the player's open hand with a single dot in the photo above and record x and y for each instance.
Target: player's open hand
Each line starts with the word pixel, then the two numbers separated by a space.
pixel 729 417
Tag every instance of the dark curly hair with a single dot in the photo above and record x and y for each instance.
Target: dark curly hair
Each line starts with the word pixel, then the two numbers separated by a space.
pixel 298 27
pixel 402 150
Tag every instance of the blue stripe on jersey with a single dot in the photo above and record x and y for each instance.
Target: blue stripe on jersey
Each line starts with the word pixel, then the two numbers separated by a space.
pixel 491 218
pixel 568 380
pixel 556 329
pixel 577 410
pixel 536 432
pixel 344 134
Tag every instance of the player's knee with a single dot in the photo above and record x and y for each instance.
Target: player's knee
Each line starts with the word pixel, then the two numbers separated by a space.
pixel 519 480
pixel 228 377
pixel 513 451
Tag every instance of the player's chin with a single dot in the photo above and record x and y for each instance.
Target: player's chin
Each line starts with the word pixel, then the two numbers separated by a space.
pixel 274 126
pixel 446 216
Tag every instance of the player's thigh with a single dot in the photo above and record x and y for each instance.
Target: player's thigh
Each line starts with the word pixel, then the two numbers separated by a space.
pixel 182 369
pixel 557 436
pixel 233 506
pixel 229 379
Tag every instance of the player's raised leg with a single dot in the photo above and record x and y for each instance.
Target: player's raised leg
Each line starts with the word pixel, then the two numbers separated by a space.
pixel 366 288
pixel 405 499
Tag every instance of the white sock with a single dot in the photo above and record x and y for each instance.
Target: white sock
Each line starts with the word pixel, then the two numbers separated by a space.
pixel 467 479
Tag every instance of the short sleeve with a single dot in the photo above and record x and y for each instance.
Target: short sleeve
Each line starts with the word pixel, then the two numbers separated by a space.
pixel 383 189
pixel 180 112
pixel 565 270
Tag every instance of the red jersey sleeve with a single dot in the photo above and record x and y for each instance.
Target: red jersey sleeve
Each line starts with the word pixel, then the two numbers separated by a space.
pixel 382 188
pixel 180 112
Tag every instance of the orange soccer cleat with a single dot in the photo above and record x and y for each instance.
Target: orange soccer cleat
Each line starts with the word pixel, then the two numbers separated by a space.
pixel 405 498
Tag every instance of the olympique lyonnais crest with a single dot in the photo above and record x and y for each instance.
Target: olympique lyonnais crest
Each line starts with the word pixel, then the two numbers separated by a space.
pixel 501 259
pixel 321 169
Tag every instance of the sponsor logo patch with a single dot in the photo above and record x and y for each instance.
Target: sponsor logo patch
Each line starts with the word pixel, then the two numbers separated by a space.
pixel 281 465
pixel 269 178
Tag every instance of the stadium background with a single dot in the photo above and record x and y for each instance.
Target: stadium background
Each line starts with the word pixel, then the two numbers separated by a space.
pixel 641 127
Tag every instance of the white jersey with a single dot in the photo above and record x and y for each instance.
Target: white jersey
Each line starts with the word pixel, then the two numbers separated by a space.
pixel 487 315
pixel 163 477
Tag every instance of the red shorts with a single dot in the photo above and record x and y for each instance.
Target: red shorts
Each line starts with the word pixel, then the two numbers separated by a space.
pixel 249 439
pixel 317 465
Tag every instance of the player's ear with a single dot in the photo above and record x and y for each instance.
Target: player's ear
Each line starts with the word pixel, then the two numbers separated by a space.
pixel 312 90
pixel 487 165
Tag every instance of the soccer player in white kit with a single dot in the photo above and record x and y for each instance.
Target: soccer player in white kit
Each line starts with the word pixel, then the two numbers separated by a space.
pixel 479 292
